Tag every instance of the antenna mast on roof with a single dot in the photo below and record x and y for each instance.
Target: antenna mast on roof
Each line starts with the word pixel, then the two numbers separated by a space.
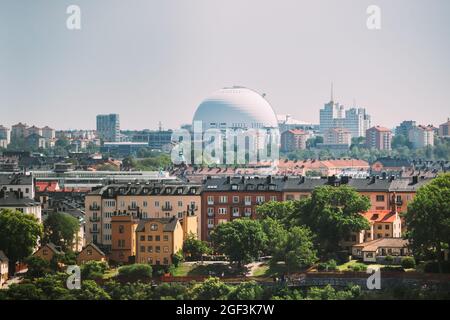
pixel 332 93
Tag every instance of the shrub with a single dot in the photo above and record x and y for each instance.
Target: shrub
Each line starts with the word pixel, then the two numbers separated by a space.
pixel 136 271
pixel 93 270
pixel 358 267
pixel 433 267
pixel 393 268
pixel 408 262
pixel 389 259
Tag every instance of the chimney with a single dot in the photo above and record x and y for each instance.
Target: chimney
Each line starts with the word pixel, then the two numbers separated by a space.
pixel 415 179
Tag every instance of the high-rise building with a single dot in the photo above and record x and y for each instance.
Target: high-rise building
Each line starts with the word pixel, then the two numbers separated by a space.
pixel 333 115
pixel 4 136
pixel 48 133
pixel 444 129
pixel 108 127
pixel 421 136
pixel 379 138
pixel 404 127
pixel 18 131
pixel 293 140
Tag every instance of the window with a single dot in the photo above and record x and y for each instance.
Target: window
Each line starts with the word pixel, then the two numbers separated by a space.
pixel 142 249
pixel 235 212
pixel 166 238
pixel 222 210
pixel 142 238
pixel 248 200
pixel 260 199
pixel 273 198
pixel 290 197
pixel 149 238
pixel 121 243
pixel 89 252
pixel 386 227
pixel 235 199
pixel 166 261
pixel 210 212
pixel 144 204
pixel 154 227
pixel 157 249
pixel 166 249
pixel 248 212
pixel 156 203
pixel 180 203
pixel 157 238
pixel 380 198
pixel 380 227
pixel 149 249
pixel 210 200
pixel 121 229
pixel 45 252
pixel 223 199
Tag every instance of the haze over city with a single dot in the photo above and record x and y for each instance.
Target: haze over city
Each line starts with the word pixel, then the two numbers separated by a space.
pixel 157 60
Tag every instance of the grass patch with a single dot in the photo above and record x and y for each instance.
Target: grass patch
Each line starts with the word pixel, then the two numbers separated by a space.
pixel 261 271
pixel 216 269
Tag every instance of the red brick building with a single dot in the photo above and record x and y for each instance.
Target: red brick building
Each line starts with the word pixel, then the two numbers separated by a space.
pixel 228 198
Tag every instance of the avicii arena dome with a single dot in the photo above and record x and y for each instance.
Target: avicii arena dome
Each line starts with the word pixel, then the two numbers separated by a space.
pixel 236 108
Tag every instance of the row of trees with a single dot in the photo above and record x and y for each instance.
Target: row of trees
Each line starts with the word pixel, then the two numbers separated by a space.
pixel 20 233
pixel 401 148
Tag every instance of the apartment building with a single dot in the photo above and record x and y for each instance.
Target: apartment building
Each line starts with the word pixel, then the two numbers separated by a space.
pixel 444 129
pixel 337 136
pixel 421 136
pixel 379 138
pixel 123 236
pixel 292 140
pixel 158 239
pixel 228 198
pixel 18 182
pixel 143 201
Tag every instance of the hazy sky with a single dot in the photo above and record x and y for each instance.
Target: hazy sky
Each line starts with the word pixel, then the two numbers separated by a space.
pixel 155 60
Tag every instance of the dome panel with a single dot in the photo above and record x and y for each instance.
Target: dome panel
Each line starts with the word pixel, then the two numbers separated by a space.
pixel 236 107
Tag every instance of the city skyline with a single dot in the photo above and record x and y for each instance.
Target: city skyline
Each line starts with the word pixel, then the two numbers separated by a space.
pixel 169 56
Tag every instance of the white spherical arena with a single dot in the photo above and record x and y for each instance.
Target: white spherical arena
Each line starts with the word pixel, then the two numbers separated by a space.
pixel 235 107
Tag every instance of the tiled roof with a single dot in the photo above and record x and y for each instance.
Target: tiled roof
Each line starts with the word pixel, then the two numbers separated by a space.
pixel 95 248
pixel 380 216
pixel 168 223
pixel 372 246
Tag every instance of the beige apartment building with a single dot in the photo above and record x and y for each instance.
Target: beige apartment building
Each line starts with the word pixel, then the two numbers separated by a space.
pixel 143 201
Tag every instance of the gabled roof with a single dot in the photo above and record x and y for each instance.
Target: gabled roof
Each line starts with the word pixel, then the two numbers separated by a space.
pixel 54 248
pixel 394 163
pixel 3 257
pixel 95 248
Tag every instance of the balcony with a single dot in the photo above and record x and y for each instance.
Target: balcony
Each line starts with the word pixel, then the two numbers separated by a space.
pixel 167 208
pixel 94 219
pixel 247 203
pixel 210 202
pixel 94 231
pixel 210 214
pixel 210 226
pixel 94 207
pixel 131 208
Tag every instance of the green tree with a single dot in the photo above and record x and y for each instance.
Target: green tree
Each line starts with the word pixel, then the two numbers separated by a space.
pixel 26 291
pixel 297 251
pixel 242 240
pixel 276 235
pixel 61 228
pixel 138 271
pixel 93 270
pixel 177 258
pixel 19 235
pixel 90 290
pixel 332 213
pixel 195 248
pixel 428 218
pixel 211 289
pixel 249 290
pixel 280 211
pixel 37 267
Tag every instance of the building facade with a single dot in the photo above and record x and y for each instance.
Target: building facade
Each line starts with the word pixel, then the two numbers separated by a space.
pixel 108 127
pixel 421 136
pixel 337 136
pixel 227 198
pixel 143 201
pixel 293 140
pixel 444 129
pixel 379 138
